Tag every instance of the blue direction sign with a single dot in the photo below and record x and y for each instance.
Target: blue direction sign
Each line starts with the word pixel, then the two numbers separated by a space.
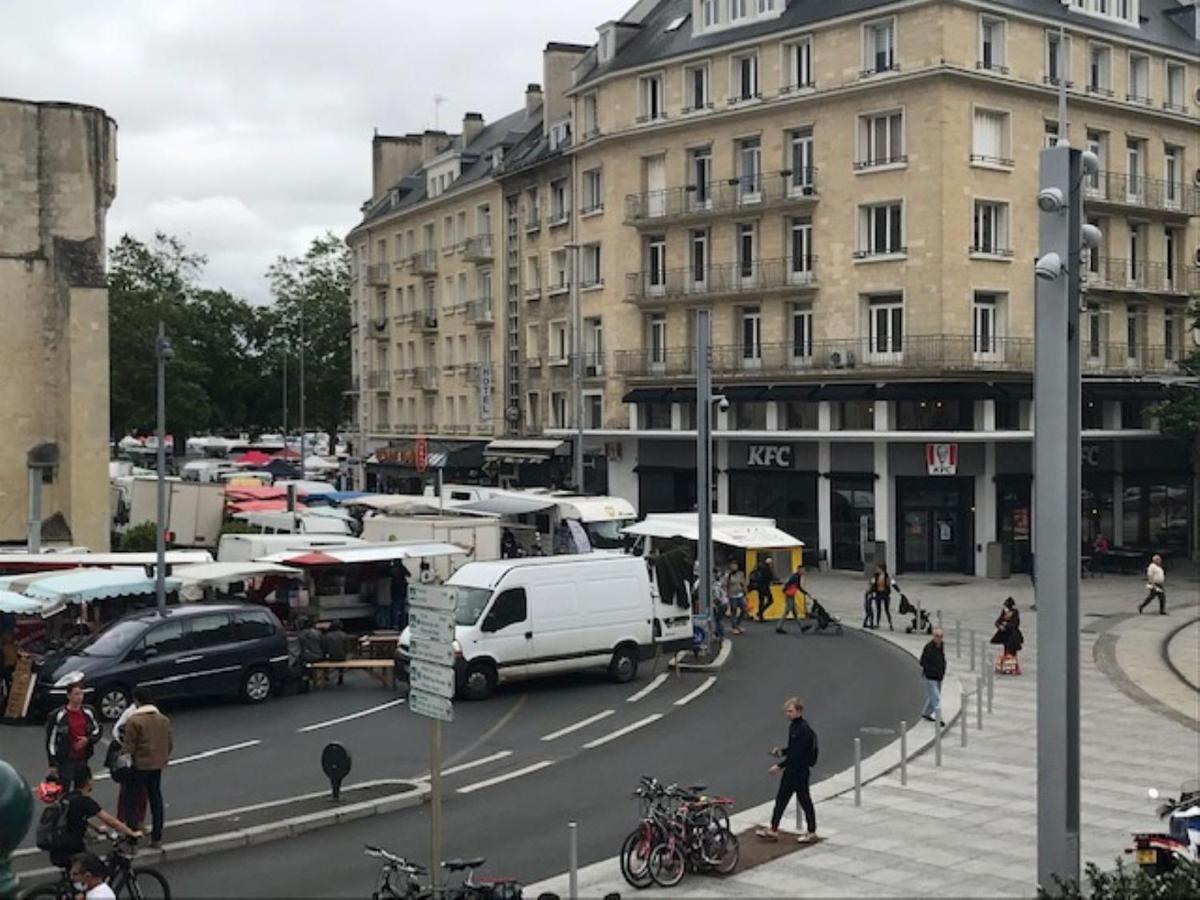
pixel 431 706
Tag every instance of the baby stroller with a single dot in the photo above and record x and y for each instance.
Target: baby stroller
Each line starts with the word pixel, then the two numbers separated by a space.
pixel 907 609
pixel 822 619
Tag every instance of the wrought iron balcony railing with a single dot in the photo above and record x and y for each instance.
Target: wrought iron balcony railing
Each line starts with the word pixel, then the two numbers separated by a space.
pixel 1112 274
pixel 424 262
pixel 478 248
pixel 1143 192
pixel 696 202
pixel 757 277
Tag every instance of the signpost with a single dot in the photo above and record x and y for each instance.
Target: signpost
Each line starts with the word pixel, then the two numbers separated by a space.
pixel 431 688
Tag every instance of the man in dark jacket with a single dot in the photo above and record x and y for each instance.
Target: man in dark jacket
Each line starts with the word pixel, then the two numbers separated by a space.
pixel 761 580
pixel 311 651
pixel 72 731
pixel 933 667
pixel 795 762
pixel 336 645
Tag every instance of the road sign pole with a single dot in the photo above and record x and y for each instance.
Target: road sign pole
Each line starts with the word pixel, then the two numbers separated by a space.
pixel 435 806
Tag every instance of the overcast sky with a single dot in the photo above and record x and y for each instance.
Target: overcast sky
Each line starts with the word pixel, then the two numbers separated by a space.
pixel 245 125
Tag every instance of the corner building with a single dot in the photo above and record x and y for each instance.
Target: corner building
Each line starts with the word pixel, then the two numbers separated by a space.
pixel 851 188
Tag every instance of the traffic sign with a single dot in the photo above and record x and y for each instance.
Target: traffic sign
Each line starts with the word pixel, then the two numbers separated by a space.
pixel 437 652
pixel 431 678
pixel 431 596
pixel 422 454
pixel 431 624
pixel 431 706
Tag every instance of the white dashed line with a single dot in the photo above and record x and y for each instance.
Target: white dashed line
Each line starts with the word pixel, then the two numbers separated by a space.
pixel 657 682
pixel 358 715
pixel 244 745
pixel 473 764
pixel 570 729
pixel 688 698
pixel 507 776
pixel 621 732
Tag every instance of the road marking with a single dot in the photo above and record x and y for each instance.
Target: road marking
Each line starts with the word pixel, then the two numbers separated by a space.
pixel 358 715
pixel 508 776
pixel 555 735
pixel 621 732
pixel 198 756
pixel 688 698
pixel 483 761
pixel 647 689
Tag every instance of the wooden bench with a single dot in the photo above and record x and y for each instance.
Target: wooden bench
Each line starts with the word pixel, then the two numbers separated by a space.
pixel 382 670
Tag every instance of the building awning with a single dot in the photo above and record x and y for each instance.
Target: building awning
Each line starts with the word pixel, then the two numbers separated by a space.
pixel 504 505
pixel 1124 390
pixel 922 390
pixel 791 392
pixel 220 574
pixel 842 392
pixel 364 553
pixel 647 395
pixel 515 450
pixel 742 393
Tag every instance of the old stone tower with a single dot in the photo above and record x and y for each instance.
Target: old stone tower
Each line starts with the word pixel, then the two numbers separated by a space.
pixel 58 176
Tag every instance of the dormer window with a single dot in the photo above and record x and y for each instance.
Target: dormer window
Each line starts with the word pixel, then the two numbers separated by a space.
pixel 497 157
pixel 720 15
pixel 1123 11
pixel 604 49
pixel 560 134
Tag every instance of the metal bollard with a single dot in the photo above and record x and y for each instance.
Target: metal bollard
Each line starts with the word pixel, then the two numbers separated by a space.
pixel 858 771
pixel 958 638
pixel 573 883
pixel 919 629
pixel 904 750
pixel 979 703
pixel 962 717
pixel 971 633
pixel 991 686
pixel 937 739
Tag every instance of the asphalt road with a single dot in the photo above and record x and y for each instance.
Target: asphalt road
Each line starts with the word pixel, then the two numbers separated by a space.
pixel 719 736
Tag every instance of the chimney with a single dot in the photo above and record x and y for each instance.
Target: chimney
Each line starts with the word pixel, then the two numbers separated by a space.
pixel 432 144
pixel 472 125
pixel 392 158
pixel 533 99
pixel 558 64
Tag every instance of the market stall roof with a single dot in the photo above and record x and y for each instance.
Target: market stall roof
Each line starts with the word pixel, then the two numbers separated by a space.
pixel 306 488
pixel 20 605
pixel 235 493
pixel 746 532
pixel 248 506
pixel 364 553
pixel 219 574
pixel 253 458
pixel 44 561
pixel 285 453
pixel 319 464
pixel 344 497
pixel 522 450
pixel 508 505
pixel 403 504
pixel 95 584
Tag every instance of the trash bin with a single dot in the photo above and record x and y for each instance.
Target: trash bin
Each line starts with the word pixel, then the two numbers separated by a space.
pixel 999 560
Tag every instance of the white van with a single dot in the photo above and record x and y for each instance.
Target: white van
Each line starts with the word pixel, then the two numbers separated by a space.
pixel 519 618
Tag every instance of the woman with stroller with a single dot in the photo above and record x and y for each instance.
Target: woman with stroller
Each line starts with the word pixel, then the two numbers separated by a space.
pixel 880 591
pixel 1008 634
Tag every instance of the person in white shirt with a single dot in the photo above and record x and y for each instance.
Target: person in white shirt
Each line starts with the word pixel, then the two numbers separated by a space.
pixel 1155 584
pixel 87 877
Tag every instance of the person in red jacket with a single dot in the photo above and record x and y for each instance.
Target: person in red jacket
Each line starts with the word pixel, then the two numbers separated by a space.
pixel 72 731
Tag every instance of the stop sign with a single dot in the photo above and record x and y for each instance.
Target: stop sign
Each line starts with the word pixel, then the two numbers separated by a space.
pixel 422 455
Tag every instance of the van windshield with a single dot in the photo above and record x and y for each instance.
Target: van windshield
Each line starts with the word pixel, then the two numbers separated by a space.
pixel 115 639
pixel 471 603
pixel 606 535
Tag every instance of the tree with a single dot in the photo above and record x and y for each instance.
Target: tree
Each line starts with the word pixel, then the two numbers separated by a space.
pixel 1179 414
pixel 140 538
pixel 312 298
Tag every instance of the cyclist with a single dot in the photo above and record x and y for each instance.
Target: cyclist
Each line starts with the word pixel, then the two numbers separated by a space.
pixel 88 874
pixel 81 811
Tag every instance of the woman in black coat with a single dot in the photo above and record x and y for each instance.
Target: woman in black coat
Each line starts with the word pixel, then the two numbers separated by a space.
pixel 1008 635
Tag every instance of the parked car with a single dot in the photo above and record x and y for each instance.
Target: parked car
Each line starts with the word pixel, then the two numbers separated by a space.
pixel 195 650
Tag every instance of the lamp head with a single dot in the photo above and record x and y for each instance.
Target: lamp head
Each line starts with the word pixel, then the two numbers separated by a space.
pixel 1049 267
pixel 1051 199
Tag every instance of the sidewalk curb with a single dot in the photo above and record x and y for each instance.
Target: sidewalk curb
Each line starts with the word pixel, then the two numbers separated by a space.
pixel 415 795
pixel 716 665
pixel 1104 655
pixel 1166 653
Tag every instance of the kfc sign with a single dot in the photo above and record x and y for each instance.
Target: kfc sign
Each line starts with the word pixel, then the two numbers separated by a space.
pixel 941 459
pixel 769 456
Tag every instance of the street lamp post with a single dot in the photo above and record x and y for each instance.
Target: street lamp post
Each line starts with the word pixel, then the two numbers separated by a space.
pixel 303 451
pixel 577 363
pixel 704 411
pixel 164 353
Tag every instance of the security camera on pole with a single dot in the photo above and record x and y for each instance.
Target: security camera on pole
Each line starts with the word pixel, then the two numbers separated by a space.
pixel 1058 292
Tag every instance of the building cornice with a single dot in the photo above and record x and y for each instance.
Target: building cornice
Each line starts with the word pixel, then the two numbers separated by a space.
pixel 424 207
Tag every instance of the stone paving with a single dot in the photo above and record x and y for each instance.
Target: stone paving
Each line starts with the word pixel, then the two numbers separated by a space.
pixel 969 828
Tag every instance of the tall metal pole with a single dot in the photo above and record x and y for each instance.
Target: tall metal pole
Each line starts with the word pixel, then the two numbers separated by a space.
pixel 1062 74
pixel 1056 461
pixel 162 351
pixel 435 806
pixel 577 368
pixel 704 407
pixel 285 399
pixel 303 444
pixel 33 532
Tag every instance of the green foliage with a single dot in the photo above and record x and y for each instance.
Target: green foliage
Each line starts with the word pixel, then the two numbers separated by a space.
pixel 140 538
pixel 1183 883
pixel 237 526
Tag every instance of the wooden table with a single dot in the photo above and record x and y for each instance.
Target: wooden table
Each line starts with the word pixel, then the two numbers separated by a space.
pixel 382 670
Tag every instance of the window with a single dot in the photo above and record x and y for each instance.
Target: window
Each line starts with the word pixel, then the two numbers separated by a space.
pixel 560 347
pixel 533 274
pixel 1170 335
pixel 1094 333
pixel 1095 144
pixel 210 631
pixel 698 260
pixel 991 228
pixel 560 277
pixel 696 83
pixel 709 13
pixel 1136 273
pixel 533 210
pixel 800 256
pixel 749 162
pixel 990 138
pixel 1058 59
pixel 935 415
pixel 700 171
pixel 656 339
pixel 558 410
pixel 747 253
pixel 1125 11
pixel 879 47
pixel 253 625
pixel 591 273
pixel 1139 78
pixel 984 338
pixel 854 415
pixel 802 333
pixel 593 191
pixel 1171 244
pixel 533 343
pixel 591 117
pixel 797 65
pixel 1100 70
pixel 509 609
pixel 802 162
pixel 991 44
pixel 1133 332
pixel 165 638
pixel 533 411
pixel 593 348
pixel 654 416
pixel 656 265
pixel 881 139
pixel 885 325
pixel 1171 172
pixel 560 209
pixel 593 410
pixel 751 335
pixel 1175 77
pixel 880 229
pixel 744 77
pixel 799 415
pixel 1134 168
pixel 651 90
pixel 560 134
pixel 738 9
pixel 749 415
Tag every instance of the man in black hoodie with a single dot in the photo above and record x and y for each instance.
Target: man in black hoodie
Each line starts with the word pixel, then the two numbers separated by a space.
pixel 795 762
pixel 933 667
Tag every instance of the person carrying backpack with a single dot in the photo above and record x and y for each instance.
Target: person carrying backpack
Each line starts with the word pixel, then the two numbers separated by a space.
pixel 61 830
pixel 761 580
pixel 795 762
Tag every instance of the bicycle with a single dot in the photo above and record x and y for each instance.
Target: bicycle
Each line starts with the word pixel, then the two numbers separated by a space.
pixel 126 881
pixel 397 879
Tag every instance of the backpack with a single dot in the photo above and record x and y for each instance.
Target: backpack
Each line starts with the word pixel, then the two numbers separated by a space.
pixel 52 826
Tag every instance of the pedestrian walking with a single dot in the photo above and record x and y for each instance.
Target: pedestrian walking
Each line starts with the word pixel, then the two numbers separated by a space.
pixel 335 646
pixel 148 741
pixel 1008 636
pixel 720 607
pixel 399 595
pixel 735 591
pixel 933 667
pixel 72 731
pixel 795 766
pixel 792 589
pixel 881 593
pixel 1156 581
pixel 761 580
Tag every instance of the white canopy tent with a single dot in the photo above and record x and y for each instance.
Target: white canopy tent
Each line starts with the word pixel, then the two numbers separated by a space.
pixel 365 553
pixel 744 532
pixel 222 574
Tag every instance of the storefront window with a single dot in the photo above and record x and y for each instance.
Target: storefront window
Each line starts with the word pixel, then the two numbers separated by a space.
pixel 935 415
pixel 853 518
pixel 1155 515
pixel 687 417
pixel 1096 508
pixel 654 416
pixel 799 415
pixel 1092 414
pixel 1008 415
pixel 854 415
pixel 788 497
pixel 1135 413
pixel 749 416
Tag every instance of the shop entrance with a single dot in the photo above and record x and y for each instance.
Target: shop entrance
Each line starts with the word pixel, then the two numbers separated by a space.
pixel 935 525
pixel 853 518
pixel 1014 513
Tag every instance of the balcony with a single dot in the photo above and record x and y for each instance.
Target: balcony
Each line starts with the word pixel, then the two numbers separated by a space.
pixel 379 380
pixel 427 378
pixel 478 249
pixel 928 355
pixel 763 276
pixel 593 365
pixel 1114 189
pixel 699 203
pixel 1138 276
pixel 378 275
pixel 533 293
pixel 480 313
pixel 380 329
pixel 423 262
pixel 559 289
pixel 427 321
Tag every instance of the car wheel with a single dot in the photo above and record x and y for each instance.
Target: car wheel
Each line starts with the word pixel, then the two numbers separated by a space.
pixel 480 681
pixel 256 686
pixel 113 701
pixel 624 665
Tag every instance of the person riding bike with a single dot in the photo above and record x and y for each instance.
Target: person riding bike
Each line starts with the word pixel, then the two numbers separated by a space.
pixel 81 811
